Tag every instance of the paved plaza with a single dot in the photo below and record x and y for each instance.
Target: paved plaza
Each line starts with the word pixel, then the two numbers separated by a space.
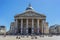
pixel 29 38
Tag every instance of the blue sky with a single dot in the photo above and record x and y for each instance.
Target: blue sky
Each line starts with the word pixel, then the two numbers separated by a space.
pixel 9 8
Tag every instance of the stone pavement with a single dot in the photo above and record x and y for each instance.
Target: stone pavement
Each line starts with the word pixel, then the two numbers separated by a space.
pixel 29 38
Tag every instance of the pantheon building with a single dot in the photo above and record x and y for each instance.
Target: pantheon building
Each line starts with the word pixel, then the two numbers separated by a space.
pixel 29 22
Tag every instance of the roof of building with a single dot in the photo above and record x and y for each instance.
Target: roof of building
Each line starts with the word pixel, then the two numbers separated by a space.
pixel 54 26
pixel 29 12
pixel 2 26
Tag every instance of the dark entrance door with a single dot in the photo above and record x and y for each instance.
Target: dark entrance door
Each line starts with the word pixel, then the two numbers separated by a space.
pixel 19 30
pixel 29 31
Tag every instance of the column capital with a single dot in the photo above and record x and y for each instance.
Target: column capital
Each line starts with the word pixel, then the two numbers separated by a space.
pixel 44 19
pixel 32 18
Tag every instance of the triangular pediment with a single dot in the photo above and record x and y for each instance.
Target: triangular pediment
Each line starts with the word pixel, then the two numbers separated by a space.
pixel 30 14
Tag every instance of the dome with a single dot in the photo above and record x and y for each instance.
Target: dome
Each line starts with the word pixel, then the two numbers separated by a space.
pixel 29 7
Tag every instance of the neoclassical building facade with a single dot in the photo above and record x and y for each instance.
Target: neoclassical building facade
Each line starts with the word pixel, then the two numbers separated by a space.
pixel 30 22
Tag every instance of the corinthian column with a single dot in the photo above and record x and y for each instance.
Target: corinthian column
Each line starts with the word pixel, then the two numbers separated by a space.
pixel 21 26
pixel 16 25
pixel 43 21
pixel 27 26
pixel 32 25
pixel 38 26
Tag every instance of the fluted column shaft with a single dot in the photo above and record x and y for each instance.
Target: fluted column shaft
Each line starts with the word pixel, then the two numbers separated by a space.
pixel 38 26
pixel 16 25
pixel 21 26
pixel 32 25
pixel 27 26
pixel 43 21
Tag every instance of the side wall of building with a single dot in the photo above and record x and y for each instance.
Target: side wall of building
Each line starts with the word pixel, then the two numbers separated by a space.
pixel 46 28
